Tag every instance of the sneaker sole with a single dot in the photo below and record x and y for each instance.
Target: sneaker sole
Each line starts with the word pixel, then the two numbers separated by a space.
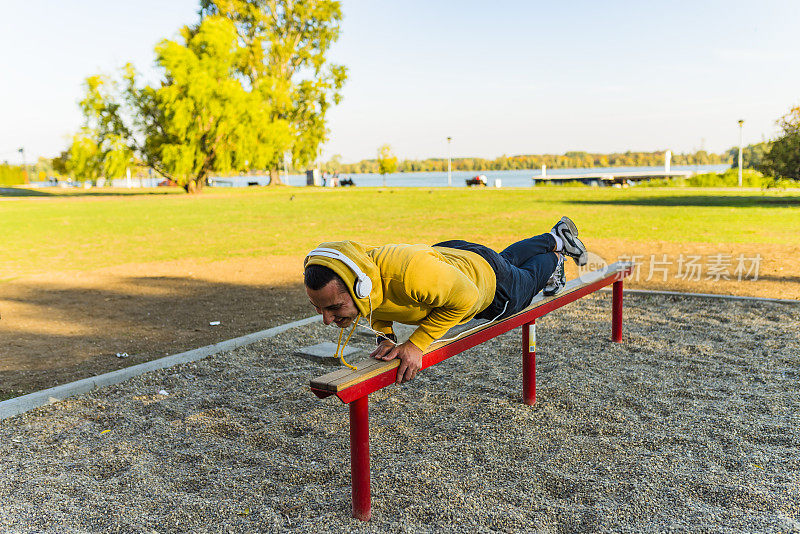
pixel 583 258
pixel 553 293
pixel 571 225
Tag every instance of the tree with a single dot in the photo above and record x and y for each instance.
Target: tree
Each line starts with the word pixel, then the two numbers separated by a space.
pixel 752 155
pixel 60 163
pixel 783 157
pixel 83 160
pixel 117 157
pixel 334 165
pixel 12 174
pixel 387 162
pixel 43 168
pixel 98 149
pixel 285 47
pixel 202 117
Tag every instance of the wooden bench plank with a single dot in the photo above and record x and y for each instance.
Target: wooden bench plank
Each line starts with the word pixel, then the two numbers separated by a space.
pixel 369 368
pixel 366 369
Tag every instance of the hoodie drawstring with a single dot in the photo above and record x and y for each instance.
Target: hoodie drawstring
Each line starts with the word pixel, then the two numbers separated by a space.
pixel 346 341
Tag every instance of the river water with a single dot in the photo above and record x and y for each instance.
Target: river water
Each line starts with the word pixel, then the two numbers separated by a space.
pixel 520 178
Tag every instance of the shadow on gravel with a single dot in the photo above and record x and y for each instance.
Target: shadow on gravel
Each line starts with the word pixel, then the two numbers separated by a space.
pixel 54 334
pixel 750 201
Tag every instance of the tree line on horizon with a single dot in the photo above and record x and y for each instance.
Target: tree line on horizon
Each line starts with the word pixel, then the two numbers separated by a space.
pixel 572 159
pixel 777 159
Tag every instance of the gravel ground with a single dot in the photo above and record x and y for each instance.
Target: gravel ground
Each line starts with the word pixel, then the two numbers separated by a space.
pixel 689 425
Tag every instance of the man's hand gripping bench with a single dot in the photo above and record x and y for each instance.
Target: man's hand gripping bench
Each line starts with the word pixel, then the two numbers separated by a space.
pixel 410 357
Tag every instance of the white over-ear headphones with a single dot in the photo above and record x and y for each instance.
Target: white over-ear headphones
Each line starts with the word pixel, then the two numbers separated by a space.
pixel 363 285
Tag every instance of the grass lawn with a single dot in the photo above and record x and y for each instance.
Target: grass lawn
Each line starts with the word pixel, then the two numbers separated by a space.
pixel 86 231
pixel 87 274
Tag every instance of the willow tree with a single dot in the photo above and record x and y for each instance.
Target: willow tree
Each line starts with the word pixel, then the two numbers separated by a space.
pixel 285 47
pixel 84 157
pixel 96 150
pixel 202 116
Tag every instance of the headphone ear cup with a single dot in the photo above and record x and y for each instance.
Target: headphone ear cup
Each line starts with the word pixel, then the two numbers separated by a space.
pixel 363 287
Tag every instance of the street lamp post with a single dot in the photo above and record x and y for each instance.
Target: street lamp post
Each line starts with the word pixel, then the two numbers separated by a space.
pixel 24 164
pixel 449 174
pixel 741 121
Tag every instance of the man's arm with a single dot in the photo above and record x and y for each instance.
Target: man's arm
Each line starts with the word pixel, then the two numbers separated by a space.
pixel 450 294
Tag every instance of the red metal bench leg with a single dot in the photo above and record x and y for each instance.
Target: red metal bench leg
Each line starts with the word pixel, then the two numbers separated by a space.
pixel 616 312
pixel 359 458
pixel 529 363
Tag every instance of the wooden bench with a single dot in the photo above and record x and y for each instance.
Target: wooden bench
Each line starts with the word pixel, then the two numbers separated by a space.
pixel 353 387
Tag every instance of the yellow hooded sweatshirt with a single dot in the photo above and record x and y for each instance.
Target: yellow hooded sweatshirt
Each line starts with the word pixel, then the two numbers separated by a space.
pixel 435 288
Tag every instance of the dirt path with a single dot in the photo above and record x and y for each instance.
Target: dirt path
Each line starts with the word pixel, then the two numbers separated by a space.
pixel 62 326
pixel 770 271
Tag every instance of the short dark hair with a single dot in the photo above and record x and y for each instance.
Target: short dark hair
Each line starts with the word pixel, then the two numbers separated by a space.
pixel 318 276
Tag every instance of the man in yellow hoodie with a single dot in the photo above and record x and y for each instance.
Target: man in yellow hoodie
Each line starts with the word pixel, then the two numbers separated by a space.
pixel 433 287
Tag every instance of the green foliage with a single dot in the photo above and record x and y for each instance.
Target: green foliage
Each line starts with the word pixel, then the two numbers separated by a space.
pixel 334 165
pixel 247 84
pixel 730 178
pixel 59 163
pixel 203 118
pixel 22 174
pixel 285 43
pixel 782 161
pixel 663 182
pixel 546 183
pixel 97 149
pixel 19 174
pixel 200 118
pixel 752 155
pixel 117 156
pixel 104 151
pixel 43 168
pixel 573 159
pixel 85 160
pixel 12 174
pixel 387 161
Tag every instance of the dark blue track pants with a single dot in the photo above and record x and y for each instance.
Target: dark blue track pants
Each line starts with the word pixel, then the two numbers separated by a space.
pixel 522 270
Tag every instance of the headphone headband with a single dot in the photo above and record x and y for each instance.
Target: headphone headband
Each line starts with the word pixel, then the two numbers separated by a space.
pixel 363 285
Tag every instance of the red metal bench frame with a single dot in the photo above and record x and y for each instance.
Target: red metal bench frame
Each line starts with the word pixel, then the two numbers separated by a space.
pixel 357 395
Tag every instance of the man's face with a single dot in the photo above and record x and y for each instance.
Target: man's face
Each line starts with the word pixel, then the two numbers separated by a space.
pixel 334 303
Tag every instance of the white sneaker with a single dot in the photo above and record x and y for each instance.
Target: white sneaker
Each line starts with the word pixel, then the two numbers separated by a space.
pixel 557 281
pixel 573 247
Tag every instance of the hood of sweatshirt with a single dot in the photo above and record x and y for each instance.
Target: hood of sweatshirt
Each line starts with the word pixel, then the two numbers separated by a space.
pixel 358 254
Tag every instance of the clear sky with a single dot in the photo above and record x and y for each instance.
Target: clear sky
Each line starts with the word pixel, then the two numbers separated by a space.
pixel 505 77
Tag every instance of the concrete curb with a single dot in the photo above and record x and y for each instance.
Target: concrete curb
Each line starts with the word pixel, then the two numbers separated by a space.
pixel 18 405
pixel 703 295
